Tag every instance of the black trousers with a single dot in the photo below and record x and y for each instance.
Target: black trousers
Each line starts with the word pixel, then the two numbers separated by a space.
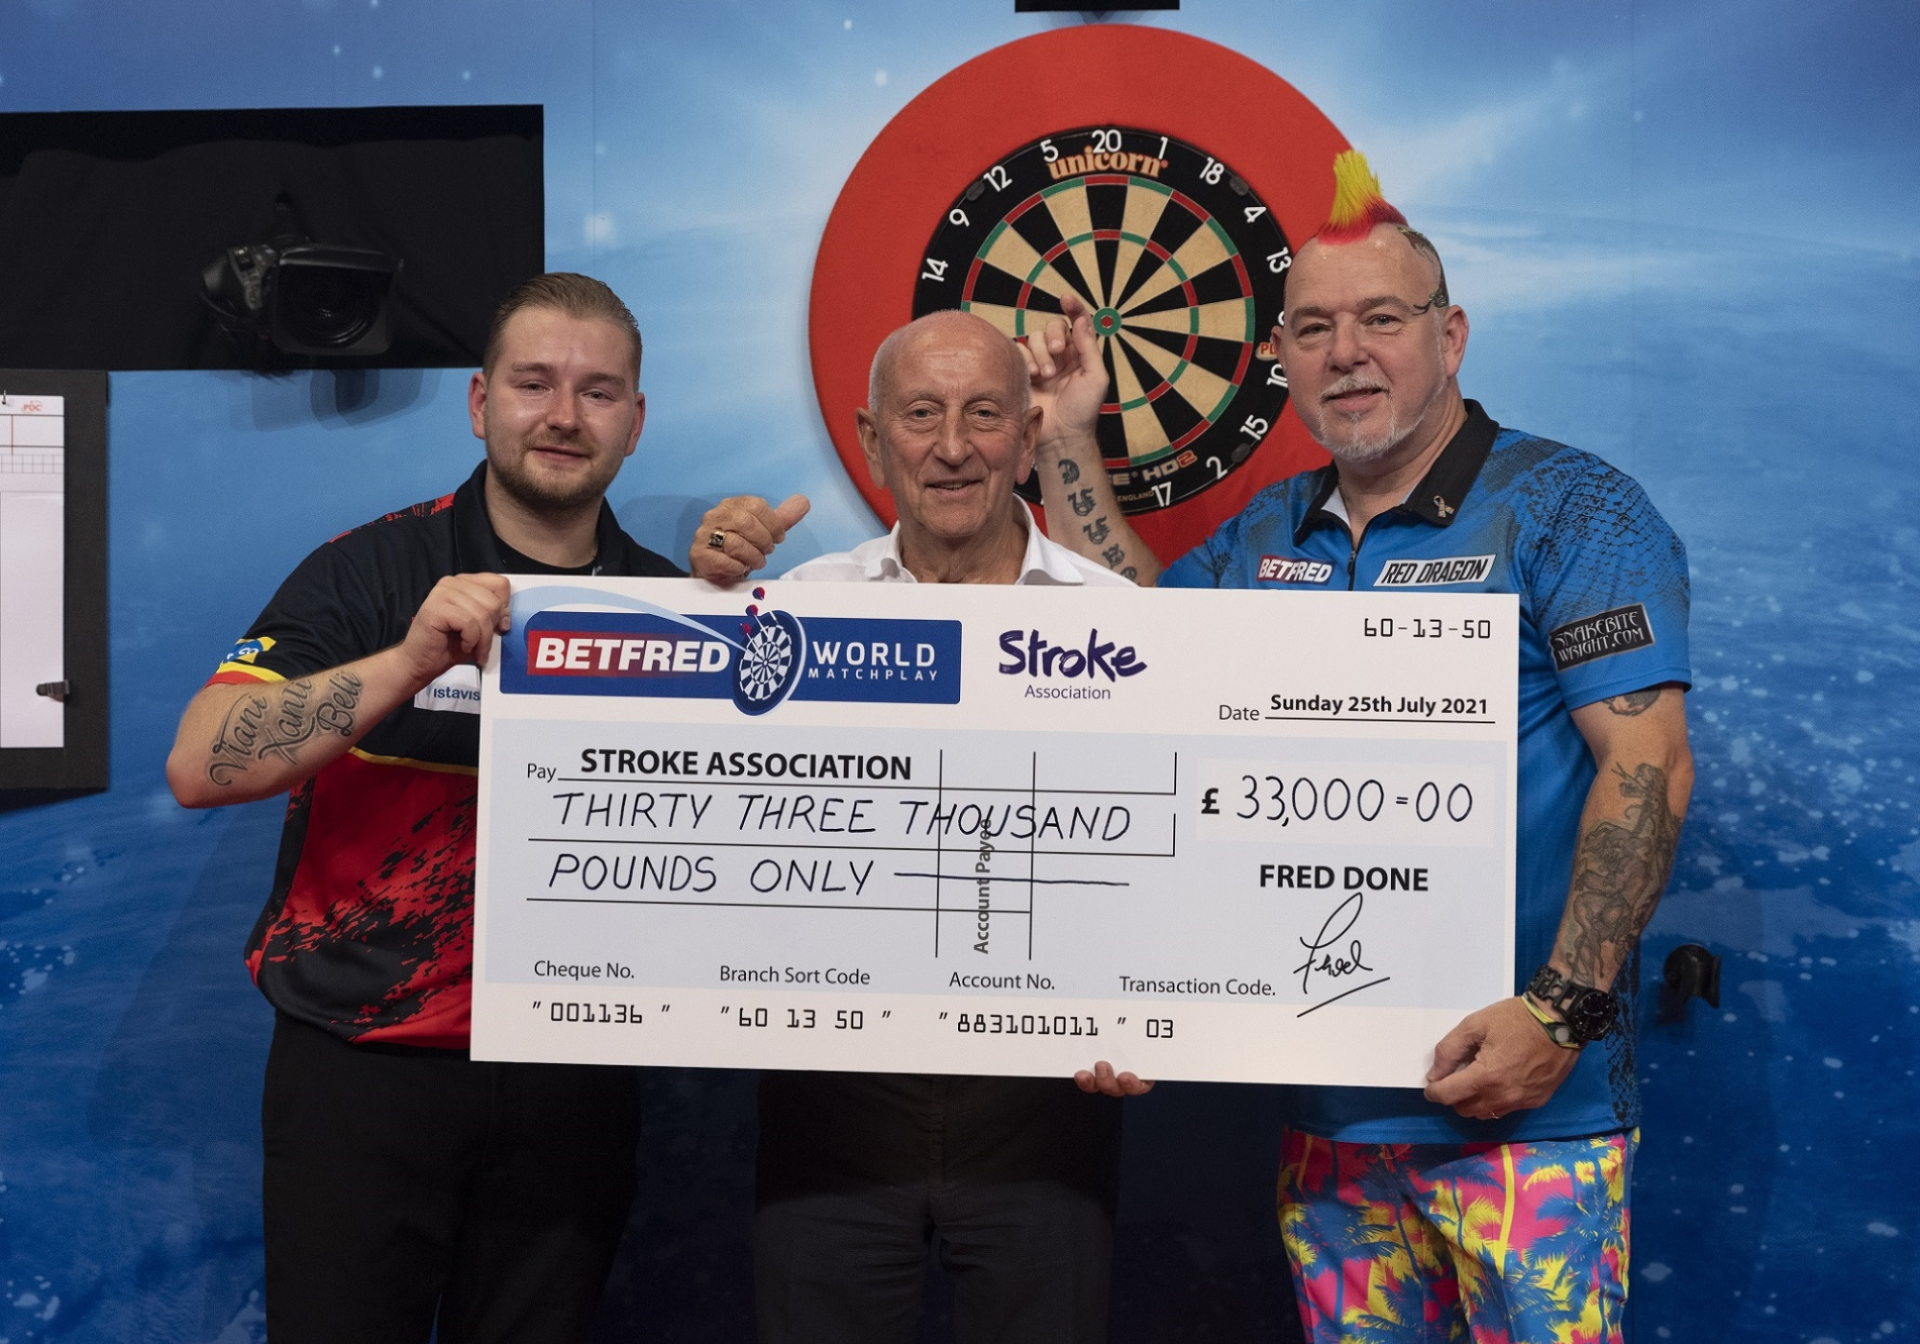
pixel 1013 1179
pixel 407 1188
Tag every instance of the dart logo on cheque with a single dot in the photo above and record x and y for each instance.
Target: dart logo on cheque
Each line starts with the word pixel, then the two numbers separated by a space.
pixel 757 662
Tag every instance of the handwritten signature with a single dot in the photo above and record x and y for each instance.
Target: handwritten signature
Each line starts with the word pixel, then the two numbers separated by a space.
pixel 1347 960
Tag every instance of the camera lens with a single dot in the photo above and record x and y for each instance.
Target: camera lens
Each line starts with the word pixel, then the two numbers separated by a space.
pixel 329 307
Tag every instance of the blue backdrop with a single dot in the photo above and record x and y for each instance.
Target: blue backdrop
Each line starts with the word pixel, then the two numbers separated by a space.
pixel 1686 236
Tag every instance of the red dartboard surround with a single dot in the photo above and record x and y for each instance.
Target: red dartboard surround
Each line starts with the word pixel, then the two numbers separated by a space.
pixel 967 163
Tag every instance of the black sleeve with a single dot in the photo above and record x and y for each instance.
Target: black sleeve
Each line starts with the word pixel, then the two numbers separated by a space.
pixel 326 613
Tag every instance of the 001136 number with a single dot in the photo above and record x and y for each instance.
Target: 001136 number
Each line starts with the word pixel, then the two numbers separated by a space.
pixel 611 1014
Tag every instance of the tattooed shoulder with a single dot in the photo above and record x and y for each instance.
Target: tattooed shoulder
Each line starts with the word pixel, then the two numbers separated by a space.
pixel 1635 703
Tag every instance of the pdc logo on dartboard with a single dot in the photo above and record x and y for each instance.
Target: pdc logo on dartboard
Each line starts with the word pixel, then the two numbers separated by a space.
pixel 757 659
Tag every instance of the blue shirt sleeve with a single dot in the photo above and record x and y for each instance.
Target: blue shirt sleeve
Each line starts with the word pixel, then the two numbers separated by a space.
pixel 1211 564
pixel 1608 589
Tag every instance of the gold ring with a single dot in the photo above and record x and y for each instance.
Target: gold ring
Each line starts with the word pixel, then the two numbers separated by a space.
pixel 717 539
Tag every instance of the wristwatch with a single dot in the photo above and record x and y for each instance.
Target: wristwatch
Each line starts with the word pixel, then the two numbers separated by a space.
pixel 1588 1013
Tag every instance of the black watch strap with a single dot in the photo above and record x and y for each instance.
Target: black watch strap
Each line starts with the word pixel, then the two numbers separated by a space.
pixel 1589 1013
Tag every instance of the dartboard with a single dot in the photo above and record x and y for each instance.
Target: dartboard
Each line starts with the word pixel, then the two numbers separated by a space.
pixel 1159 177
pixel 1176 257
pixel 770 659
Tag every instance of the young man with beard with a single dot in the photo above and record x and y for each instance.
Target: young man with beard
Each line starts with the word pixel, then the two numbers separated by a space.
pixel 1495 1203
pixel 408 1188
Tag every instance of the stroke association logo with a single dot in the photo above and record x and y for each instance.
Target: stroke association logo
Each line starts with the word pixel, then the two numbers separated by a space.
pixel 641 649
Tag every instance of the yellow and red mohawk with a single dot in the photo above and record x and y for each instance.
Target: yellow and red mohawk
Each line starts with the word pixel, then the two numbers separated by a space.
pixel 1358 205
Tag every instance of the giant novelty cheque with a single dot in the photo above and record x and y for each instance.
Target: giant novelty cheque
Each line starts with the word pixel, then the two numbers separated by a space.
pixel 1235 836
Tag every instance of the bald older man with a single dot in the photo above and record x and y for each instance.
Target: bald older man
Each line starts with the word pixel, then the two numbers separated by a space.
pixel 1013 1180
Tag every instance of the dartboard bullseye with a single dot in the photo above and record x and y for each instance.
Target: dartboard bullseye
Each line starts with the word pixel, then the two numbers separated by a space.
pixel 1182 266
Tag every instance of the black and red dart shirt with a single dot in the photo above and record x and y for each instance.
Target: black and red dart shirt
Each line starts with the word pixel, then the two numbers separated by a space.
pixel 368 932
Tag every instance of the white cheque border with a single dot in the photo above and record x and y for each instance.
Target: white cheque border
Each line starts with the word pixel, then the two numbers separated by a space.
pixel 1275 647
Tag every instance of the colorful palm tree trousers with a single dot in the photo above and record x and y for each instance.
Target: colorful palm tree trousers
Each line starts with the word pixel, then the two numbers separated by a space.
pixel 1497 1243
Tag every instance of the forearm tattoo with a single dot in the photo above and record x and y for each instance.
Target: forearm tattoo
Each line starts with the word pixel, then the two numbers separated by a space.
pixel 1099 530
pixel 1619 871
pixel 277 721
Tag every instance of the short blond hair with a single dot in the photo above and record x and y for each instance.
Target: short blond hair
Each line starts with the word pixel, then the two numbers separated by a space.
pixel 576 295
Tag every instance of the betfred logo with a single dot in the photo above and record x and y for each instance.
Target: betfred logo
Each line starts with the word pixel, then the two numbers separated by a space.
pixel 622 653
pixel 1434 573
pixel 592 653
pixel 1286 569
pixel 757 658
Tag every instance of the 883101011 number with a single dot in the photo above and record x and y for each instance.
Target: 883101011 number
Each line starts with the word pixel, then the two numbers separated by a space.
pixel 1025 1024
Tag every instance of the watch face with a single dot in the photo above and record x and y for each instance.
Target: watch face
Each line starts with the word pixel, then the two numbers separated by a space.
pixel 1163 179
pixel 1591 1014
pixel 1182 266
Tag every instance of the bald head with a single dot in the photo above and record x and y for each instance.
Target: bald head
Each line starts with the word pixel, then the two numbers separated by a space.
pixel 945 330
pixel 949 429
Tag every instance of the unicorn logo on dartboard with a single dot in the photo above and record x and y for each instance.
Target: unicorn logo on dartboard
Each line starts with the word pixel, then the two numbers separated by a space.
pixel 773 654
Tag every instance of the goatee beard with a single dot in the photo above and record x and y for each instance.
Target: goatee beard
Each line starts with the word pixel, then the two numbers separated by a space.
pixel 527 492
pixel 1364 450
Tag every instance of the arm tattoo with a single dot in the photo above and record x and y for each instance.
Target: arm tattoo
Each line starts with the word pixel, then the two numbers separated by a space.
pixel 277 722
pixel 1619 871
pixel 1069 472
pixel 1634 703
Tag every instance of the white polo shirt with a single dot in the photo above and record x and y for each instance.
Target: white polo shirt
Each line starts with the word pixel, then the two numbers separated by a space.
pixel 878 561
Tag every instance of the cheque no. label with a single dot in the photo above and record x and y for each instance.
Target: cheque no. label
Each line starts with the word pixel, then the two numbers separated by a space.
pixel 1235 836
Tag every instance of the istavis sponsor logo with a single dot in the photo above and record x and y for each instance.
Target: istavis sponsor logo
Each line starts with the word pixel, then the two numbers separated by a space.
pixel 457 689
pixel 1434 573
pixel 1287 569
pixel 1619 630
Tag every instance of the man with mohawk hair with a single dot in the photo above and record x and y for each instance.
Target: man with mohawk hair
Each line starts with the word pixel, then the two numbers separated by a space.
pixel 1495 1203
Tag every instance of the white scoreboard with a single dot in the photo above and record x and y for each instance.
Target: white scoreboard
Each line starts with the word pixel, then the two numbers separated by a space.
pixel 33 503
pixel 53 581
